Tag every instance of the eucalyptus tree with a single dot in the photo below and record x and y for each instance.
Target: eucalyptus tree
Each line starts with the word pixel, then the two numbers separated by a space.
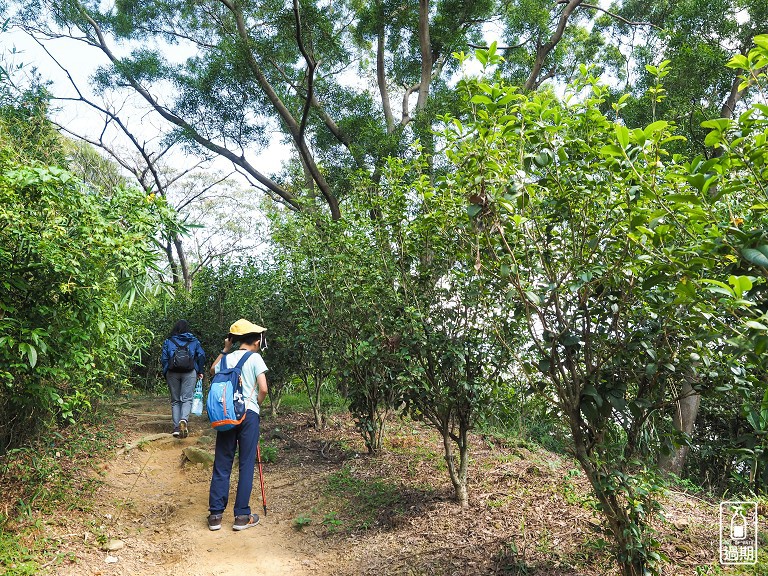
pixel 345 84
pixel 543 41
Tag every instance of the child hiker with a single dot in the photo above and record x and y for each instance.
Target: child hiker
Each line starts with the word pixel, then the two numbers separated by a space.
pixel 244 337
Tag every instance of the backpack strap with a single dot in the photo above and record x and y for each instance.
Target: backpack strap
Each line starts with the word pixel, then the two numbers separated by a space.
pixel 239 365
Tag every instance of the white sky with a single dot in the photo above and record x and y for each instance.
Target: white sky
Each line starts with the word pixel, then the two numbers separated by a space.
pixel 81 61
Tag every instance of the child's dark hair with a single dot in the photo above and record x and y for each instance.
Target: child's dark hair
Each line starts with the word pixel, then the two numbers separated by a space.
pixel 180 327
pixel 249 339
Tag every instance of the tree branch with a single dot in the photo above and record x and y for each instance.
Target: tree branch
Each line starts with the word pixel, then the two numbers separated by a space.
pixel 286 116
pixel 381 80
pixel 614 15
pixel 311 66
pixel 183 124
pixel 426 55
pixel 543 50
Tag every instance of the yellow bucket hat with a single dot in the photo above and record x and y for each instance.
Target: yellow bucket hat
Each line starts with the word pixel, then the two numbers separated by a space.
pixel 243 326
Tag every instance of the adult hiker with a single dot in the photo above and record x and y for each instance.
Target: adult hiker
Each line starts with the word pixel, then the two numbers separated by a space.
pixel 244 340
pixel 183 361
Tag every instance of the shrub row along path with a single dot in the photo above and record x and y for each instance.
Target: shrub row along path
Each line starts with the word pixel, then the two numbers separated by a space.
pixel 530 510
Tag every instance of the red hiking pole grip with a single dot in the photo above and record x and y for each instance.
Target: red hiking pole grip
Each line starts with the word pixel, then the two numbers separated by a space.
pixel 261 479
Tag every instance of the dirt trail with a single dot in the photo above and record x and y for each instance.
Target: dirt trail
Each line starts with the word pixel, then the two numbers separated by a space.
pixel 154 503
pixel 529 513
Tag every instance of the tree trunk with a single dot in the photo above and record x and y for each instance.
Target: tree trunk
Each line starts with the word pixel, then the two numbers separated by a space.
pixel 619 523
pixel 684 419
pixel 313 393
pixel 186 277
pixel 308 181
pixel 458 475
pixel 168 249
pixel 426 55
pixel 543 50
pixel 381 80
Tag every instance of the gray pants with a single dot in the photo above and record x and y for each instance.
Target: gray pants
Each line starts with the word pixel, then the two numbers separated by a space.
pixel 182 387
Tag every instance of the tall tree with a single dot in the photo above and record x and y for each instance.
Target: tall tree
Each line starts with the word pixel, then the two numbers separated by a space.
pixel 697 38
pixel 240 71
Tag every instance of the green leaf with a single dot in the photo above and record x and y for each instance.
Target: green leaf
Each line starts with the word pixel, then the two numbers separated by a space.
pixel 761 40
pixel 622 135
pixel 713 138
pixel 481 99
pixel 755 256
pixel 740 284
pixel 755 325
pixel 720 124
pixel 719 290
pixel 739 62
pixel 655 127
pixel 32 356
pixel 543 158
pixel 592 392
pixel 612 150
pixel 616 399
pixel 719 287
pixel 533 298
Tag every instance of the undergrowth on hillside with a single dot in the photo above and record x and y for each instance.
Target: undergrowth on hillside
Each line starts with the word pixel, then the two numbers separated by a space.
pixel 53 474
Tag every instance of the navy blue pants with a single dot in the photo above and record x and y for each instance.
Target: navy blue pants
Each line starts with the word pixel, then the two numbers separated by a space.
pixel 246 438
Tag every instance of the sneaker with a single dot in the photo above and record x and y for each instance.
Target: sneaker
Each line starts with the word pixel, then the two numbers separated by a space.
pixel 183 430
pixel 214 521
pixel 245 522
pixel 176 432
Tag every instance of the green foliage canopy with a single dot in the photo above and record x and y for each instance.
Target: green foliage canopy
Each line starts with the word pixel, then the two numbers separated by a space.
pixel 73 257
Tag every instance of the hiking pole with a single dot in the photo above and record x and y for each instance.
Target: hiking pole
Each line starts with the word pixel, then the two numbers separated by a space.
pixel 261 479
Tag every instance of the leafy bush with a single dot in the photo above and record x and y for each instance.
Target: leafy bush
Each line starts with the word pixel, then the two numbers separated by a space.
pixel 73 258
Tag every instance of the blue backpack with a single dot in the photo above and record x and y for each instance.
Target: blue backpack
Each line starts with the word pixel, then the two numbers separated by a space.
pixel 226 405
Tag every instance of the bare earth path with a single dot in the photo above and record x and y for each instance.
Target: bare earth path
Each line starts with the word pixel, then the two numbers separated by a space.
pixel 530 510
pixel 153 507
